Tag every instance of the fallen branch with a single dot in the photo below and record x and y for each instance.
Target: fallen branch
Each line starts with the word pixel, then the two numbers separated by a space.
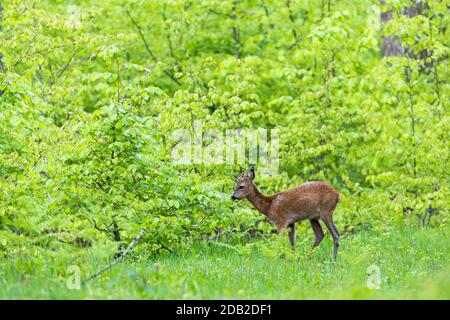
pixel 119 258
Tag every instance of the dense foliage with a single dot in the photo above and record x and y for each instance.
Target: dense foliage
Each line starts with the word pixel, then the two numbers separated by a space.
pixel 92 90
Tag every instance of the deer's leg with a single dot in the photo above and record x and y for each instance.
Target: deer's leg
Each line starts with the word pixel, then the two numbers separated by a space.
pixel 292 235
pixel 334 233
pixel 318 232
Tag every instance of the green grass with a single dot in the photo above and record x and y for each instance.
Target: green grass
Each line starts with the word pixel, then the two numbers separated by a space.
pixel 414 264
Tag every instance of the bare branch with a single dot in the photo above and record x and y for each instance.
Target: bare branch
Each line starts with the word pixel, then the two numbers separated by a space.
pixel 235 31
pixel 147 47
pixel 119 258
pixel 291 18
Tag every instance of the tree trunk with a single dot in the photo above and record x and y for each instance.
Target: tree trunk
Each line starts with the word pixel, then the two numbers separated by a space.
pixel 391 44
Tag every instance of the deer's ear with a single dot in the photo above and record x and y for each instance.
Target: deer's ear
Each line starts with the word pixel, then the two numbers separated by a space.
pixel 251 173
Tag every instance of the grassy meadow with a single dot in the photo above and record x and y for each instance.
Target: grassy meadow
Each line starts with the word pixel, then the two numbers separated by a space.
pixel 413 264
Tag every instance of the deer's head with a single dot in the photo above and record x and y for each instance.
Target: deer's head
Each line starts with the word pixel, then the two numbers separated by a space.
pixel 244 185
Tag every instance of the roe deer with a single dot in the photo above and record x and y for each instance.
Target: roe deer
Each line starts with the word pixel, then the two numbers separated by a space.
pixel 312 200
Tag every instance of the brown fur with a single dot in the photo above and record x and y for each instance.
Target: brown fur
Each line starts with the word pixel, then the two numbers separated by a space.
pixel 314 201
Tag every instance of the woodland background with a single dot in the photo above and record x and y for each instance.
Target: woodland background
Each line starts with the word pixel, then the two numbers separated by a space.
pixel 90 91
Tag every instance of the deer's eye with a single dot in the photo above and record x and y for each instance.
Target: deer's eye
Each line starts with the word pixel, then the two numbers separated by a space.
pixel 241 187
